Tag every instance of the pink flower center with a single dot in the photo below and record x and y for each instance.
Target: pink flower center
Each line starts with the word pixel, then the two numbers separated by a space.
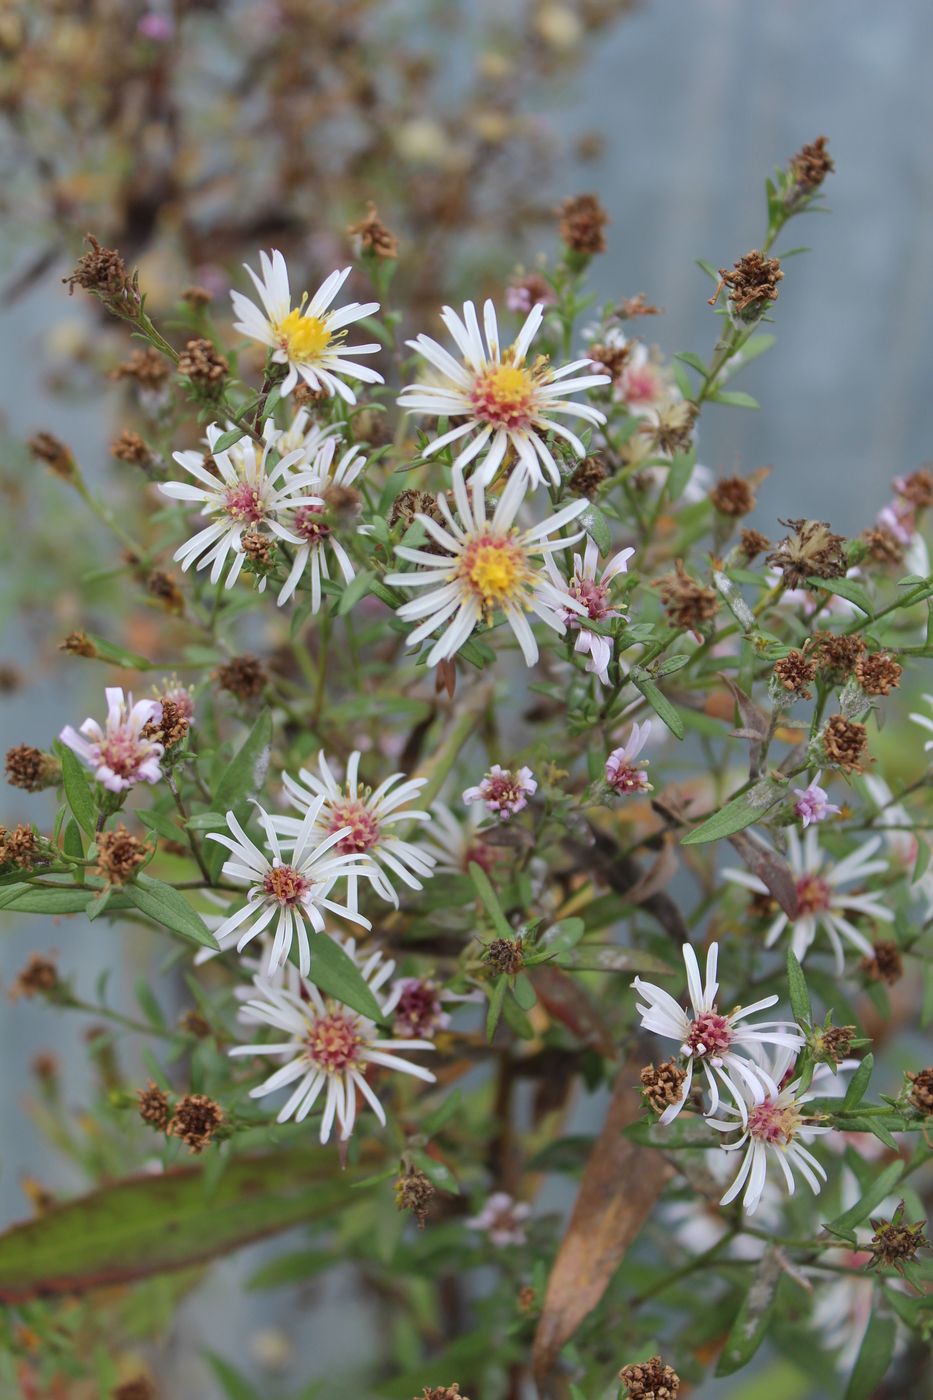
pixel 481 854
pixel 364 828
pixel 311 525
pixel 640 385
pixel 285 884
pixel 594 597
pixel 418 1012
pixel 772 1123
pixel 503 792
pixel 624 779
pixel 813 894
pixel 333 1041
pixel 710 1034
pixel 244 502
pixel 123 752
pixel 504 395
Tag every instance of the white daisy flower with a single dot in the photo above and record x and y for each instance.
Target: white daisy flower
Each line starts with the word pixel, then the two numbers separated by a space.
pixel 292 892
pixel 457 843
pixel 304 434
pixel 308 338
pixel 504 792
pixel 820 902
pixel 624 772
pixel 119 754
pixel 591 588
pixel 493 565
pixel 328 1048
pixel 902 843
pixel 363 819
pixel 247 495
pixel 502 1219
pixel 503 401
pixel 774 1128
pixel 716 1041
pixel 313 524
pixel 925 722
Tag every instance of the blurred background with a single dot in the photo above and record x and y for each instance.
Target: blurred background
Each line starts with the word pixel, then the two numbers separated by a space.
pixel 192 134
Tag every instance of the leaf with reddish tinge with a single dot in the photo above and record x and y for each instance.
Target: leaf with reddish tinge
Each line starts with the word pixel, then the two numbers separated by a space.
pixel 621 1183
pixel 564 998
pixel 770 868
pixel 149 1225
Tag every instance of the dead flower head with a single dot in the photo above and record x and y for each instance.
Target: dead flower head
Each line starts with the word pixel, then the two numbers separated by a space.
pixel 19 847
pixel 442 1392
pixel 372 236
pixel 148 367
pixel 733 496
pixel 203 364
pixel 137 1389
pixel 878 673
pixel 883 546
pixel 78 644
pixel 921 1089
pixel 414 1192
pixel 845 743
pixel 686 602
pixel 583 222
pixel 243 676
pixel 195 1121
pixel 38 978
pixel 154 1107
pixel 56 455
pixel 896 1242
pixel 835 654
pixel 752 543
pixel 102 272
pixel 811 165
pixel 30 769
pixel 505 955
pixel 886 965
pixel 662 1084
pixel 164 587
pixel 130 447
pixel 588 477
pixel 120 854
pixel 811 551
pixel 671 430
pixel 650 1380
pixel 752 283
pixel 794 672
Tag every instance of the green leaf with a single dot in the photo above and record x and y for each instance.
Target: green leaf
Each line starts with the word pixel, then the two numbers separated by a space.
pixel 874 1357
pixel 524 992
pixel 337 975
pixel 161 823
pixel 751 1323
pixel 858 1084
pixel 148 1225
pixel 597 527
pixel 78 790
pixel 119 656
pixel 9 894
pixel 243 774
pixel 686 1131
pixel 234 1385
pixel 72 843
pixel 229 439
pixel 609 957
pixel 490 901
pixel 694 361
pixel 496 1002
pixel 44 899
pixel 881 1186
pixel 741 812
pixel 734 398
pixel 660 704
pixel 441 1116
pixel 848 588
pixel 561 937
pixel 169 907
pixel 99 903
pixel 355 591
pixel 679 473
pixel 797 988
pixel 291 1268
pixel 438 1173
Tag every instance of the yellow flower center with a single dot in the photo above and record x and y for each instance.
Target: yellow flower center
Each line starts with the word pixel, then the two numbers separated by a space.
pixel 504 395
pixel 495 569
pixel 304 338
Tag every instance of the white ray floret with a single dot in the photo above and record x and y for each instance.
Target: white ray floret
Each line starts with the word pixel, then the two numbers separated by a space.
pixel 313 524
pixel 119 753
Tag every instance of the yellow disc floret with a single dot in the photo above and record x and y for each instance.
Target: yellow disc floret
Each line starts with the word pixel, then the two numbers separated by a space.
pixel 304 338
pixel 495 570
pixel 503 394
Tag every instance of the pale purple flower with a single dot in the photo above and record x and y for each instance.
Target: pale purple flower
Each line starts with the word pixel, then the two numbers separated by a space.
pixel 157 27
pixel 501 1219
pixel 119 754
pixel 623 773
pixel 504 792
pixel 591 589
pixel 811 804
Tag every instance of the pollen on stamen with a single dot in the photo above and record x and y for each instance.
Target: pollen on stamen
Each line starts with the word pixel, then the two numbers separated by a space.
pixel 311 524
pixel 333 1041
pixel 303 338
pixel 504 395
pixel 285 884
pixel 710 1035
pixel 244 502
pixel 364 828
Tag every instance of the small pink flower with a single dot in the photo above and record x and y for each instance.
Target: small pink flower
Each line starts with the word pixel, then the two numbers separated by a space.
pixel 528 291
pixel 503 791
pixel 811 804
pixel 501 1219
pixel 623 774
pixel 119 754
pixel 157 27
pixel 590 587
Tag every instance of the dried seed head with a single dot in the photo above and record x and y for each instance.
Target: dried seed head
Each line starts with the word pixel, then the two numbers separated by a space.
pixel 410 503
pixel 887 965
pixel 261 553
pixel 832 1045
pixel 917 488
pixel 30 769
pixel 38 978
pixel 442 1392
pixel 733 496
pixel 834 654
pixel 795 672
pixel 120 854
pixel 137 1389
pixel 752 543
pixel 811 165
pixel 165 588
pixel 196 1120
pixel 173 725
pixel 878 674
pixel 662 1084
pixel 129 447
pixel 45 1066
pixel 752 283
pixel 306 397
pixel 505 955
pixel 884 546
pixel 243 676
pixel 811 551
pixel 203 364
pixel 650 1380
pixel 588 477
pixel 154 1107
pixel 921 1090
pixel 57 456
pixel 197 297
pixel 148 367
pixel 414 1192
pixel 613 358
pixel 10 678
pixel 193 1023
pixel 845 743
pixel 895 1242
pixel 686 602
pixel 582 223
pixel 630 307
pixel 78 644
pixel 374 239
pixel 672 428
pixel 19 847
pixel 102 272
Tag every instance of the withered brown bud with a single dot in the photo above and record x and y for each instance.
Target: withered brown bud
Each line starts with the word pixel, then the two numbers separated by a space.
pixel 194 1023
pixel 203 364
pixel 588 477
pixel 137 1389
pixel 752 283
pixel 120 854
pixel 878 674
pixel 441 1392
pixel 306 397
pixel 173 725
pixel 811 551
pixel 795 672
pixel 612 358
pixel 374 238
pixel 154 1107
pixel 833 1044
pixel 884 546
pixel 414 1192
pixel 38 978
pixel 148 367
pixel 686 602
pixel 243 676
pixel 30 769
pixel 56 455
pixel 102 271
pixel 582 224
pixel 197 297
pixel 165 588
pixel 921 1089
pixel 78 644
pixel 19 847
pixel 650 1380
pixel 527 1298
pixel 752 543
pixel 672 428
pixel 917 488
pixel 811 165
pixel 836 655
pixel 505 955
pixel 195 1121
pixel 260 550
pixel 733 496
pixel 129 447
pixel 662 1084
pixel 45 1066
pixel 410 503
pixel 896 1241
pixel 630 307
pixel 887 965
pixel 845 743
pixel 11 678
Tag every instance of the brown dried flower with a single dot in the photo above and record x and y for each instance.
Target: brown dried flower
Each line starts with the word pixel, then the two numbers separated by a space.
pixel 921 1090
pixel 173 725
pixel 120 854
pixel 260 550
pixel 30 769
pixel 78 644
pixel 137 1389
pixel 795 672
pixel 878 674
pixel 833 1044
pixel 148 367
pixel 197 297
pixel 165 588
pixel 612 358
pixel 811 551
pixel 129 447
pixel 686 602
pixel 884 546
pixel 410 503
pixel 835 654
pixel 672 428
pixel 895 1242
pixel 917 488
pixel 243 676
pixel 414 1192
pixel 38 978
pixel 19 847
pixel 505 955
pixel 662 1084
pixel 196 1024
pixel 811 165
pixel 588 477
pixel 887 965
pixel 304 396
pixel 374 238
pixel 154 1107
pixel 196 1120
pixel 582 223
pixel 845 743
pixel 57 456
pixel 752 543
pixel 650 1380
pixel 442 1392
pixel 752 283
pixel 203 364
pixel 102 271
pixel 630 307
pixel 733 496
